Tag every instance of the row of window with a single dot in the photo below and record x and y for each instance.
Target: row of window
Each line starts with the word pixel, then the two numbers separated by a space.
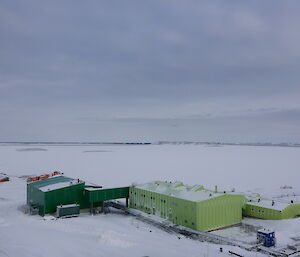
pixel 152 198
pixel 163 214
pixel 259 211
pixel 163 201
pixel 176 204
pixel 274 214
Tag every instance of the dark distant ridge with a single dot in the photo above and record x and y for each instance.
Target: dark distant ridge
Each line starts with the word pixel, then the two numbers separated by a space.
pixel 154 143
pixel 76 143
pixel 225 143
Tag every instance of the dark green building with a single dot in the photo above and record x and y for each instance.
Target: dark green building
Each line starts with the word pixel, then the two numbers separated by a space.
pixel 47 194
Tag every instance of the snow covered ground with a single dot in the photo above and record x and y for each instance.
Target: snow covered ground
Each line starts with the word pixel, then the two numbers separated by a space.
pixel 258 169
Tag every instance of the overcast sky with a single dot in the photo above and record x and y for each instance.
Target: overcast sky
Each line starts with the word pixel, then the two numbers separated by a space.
pixel 150 70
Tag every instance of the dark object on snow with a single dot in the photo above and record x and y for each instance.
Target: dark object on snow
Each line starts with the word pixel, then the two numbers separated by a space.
pixel 69 210
pixel 236 254
pixel 33 210
pixel 266 237
pixel 3 178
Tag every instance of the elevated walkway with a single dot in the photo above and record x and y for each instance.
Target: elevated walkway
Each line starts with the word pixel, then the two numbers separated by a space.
pixel 97 196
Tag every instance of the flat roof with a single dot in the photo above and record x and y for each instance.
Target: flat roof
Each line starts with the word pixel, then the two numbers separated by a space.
pixel 59 185
pixel 54 183
pixel 67 205
pixel 178 190
pixel 268 204
pixel 101 188
pixel 265 231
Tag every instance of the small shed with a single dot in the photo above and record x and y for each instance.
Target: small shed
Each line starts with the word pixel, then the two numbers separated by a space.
pixel 266 237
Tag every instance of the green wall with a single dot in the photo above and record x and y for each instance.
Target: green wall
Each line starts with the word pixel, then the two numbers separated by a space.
pixel 47 201
pixel 292 211
pixel 67 195
pixel 218 212
pixel 100 195
pixel 221 211
pixel 35 198
pixel 179 211
pixel 261 212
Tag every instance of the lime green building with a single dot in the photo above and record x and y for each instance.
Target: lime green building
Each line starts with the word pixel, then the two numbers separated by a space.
pixel 271 209
pixel 193 207
pixel 190 206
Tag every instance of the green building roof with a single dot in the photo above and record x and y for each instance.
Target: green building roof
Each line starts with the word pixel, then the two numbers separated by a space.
pixel 269 204
pixel 195 193
pixel 54 183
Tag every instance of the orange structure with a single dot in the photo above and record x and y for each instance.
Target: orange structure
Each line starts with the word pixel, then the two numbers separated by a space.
pixel 44 176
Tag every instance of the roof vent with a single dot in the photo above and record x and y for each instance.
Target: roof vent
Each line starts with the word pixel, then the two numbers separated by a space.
pixel 216 189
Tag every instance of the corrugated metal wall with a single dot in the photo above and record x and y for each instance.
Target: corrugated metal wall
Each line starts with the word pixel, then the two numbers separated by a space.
pixel 35 198
pixel 107 194
pixel 206 215
pixel 66 195
pixel 218 212
pixel 261 212
pixel 292 211
pixel 47 201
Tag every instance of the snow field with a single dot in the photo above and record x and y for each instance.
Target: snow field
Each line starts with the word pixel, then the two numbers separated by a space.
pixel 254 168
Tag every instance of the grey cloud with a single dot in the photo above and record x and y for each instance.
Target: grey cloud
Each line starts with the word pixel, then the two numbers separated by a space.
pixel 158 59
